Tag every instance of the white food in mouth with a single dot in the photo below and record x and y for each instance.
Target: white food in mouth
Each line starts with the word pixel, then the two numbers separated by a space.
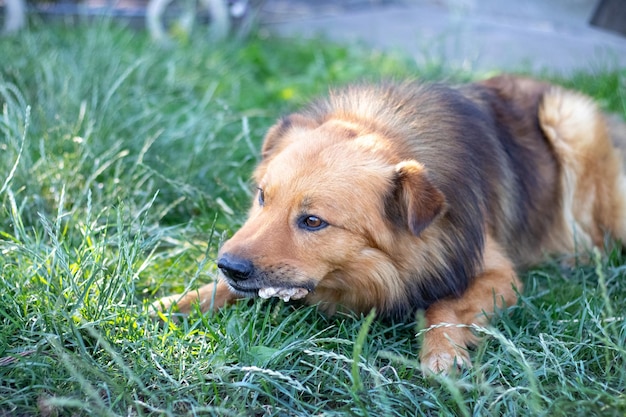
pixel 285 294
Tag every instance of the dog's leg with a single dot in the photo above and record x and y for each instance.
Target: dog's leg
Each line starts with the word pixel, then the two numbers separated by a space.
pixel 445 343
pixel 211 296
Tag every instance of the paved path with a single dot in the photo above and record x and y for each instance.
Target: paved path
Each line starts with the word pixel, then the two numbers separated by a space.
pixel 476 35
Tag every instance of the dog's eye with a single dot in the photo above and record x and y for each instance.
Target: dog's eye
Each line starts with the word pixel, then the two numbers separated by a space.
pixel 261 197
pixel 311 223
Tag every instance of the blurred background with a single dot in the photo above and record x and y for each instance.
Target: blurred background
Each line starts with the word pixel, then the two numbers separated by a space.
pixel 557 35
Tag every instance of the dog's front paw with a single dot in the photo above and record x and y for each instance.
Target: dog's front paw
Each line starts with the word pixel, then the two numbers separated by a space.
pixel 174 302
pixel 444 361
pixel 445 349
pixel 208 297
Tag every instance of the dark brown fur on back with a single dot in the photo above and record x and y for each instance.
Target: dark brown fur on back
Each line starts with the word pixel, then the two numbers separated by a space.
pixel 532 198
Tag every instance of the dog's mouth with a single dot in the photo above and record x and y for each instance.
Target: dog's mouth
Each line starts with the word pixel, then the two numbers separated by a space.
pixel 284 293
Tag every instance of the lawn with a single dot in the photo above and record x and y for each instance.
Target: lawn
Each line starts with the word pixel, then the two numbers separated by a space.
pixel 125 165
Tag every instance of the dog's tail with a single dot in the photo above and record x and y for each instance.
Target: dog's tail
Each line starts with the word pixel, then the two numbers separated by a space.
pixel 590 148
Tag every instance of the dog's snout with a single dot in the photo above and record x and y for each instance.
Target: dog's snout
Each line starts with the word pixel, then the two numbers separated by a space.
pixel 235 268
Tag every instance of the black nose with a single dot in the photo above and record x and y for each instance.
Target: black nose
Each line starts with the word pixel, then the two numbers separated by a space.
pixel 235 268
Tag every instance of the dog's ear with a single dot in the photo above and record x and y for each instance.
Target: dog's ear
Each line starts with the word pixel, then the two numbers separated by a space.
pixel 278 137
pixel 416 202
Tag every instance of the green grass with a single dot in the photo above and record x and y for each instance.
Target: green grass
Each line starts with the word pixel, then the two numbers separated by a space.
pixel 124 166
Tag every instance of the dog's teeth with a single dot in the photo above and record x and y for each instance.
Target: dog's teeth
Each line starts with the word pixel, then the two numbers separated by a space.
pixel 284 294
pixel 267 292
pixel 299 293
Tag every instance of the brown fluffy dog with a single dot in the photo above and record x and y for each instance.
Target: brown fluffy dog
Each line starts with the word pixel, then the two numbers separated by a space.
pixel 411 196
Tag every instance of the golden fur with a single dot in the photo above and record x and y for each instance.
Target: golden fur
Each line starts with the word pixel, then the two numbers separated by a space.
pixel 415 196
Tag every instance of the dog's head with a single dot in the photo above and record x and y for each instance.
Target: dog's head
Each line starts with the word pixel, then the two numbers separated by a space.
pixel 333 205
